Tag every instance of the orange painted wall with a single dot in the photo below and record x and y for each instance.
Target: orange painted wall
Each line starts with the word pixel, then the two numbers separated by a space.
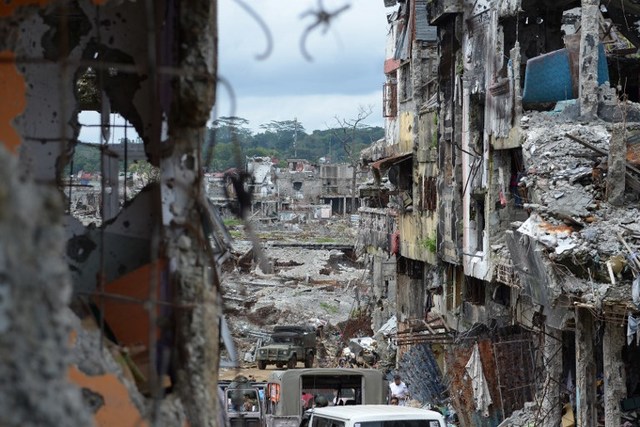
pixel 118 410
pixel 13 95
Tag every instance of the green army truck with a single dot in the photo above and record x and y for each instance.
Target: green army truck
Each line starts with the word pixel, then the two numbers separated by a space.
pixel 289 345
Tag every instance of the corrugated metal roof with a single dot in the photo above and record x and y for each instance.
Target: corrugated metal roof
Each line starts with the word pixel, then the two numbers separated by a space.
pixel 424 31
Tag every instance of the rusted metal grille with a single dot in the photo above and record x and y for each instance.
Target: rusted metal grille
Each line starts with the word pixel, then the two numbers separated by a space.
pixel 390 100
pixel 515 372
pixel 429 194
pixel 505 273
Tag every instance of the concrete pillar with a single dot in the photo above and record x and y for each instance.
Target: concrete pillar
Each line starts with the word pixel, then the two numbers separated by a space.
pixel 551 403
pixel 588 67
pixel 516 58
pixel 196 322
pixel 614 372
pixel 585 370
pixel 617 166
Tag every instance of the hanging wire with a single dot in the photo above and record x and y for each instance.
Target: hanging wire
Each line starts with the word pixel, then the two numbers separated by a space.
pixel 263 27
pixel 322 19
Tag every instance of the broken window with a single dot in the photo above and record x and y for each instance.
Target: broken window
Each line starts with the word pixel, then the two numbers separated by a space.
pixel 406 87
pixel 474 291
pixel 517 190
pixel 390 99
pixel 454 278
pixel 411 268
pixel 477 216
pixel 502 295
pixel 429 194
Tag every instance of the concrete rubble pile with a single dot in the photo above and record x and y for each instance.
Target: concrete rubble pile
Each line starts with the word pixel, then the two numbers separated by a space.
pixel 570 216
pixel 309 286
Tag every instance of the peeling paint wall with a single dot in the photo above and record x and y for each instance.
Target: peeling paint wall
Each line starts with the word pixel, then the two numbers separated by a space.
pixel 154 63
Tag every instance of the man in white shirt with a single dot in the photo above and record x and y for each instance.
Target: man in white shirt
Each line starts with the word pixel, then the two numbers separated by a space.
pixel 399 390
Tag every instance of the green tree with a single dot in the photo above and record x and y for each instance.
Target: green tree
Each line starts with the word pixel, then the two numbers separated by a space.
pixel 284 135
pixel 226 138
pixel 347 133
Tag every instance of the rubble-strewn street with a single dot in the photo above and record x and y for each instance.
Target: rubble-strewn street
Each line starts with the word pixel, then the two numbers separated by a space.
pixel 319 287
pixel 469 242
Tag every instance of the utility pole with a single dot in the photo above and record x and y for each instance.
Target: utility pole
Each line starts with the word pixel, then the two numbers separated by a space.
pixel 295 137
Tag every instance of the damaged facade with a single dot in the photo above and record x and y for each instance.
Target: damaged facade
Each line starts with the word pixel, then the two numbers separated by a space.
pixel 299 189
pixel 503 207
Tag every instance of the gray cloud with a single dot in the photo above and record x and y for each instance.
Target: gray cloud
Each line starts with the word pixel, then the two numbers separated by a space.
pixel 348 58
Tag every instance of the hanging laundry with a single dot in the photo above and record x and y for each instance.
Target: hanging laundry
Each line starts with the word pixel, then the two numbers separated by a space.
pixel 481 394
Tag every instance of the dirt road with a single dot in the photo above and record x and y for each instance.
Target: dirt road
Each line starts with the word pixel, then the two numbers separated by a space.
pixel 259 375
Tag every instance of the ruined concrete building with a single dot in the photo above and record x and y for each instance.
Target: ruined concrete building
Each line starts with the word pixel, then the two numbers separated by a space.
pixel 502 224
pixel 141 344
pixel 301 186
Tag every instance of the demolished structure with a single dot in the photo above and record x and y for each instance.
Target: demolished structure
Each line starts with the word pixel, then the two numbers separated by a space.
pixel 320 190
pixel 502 223
pixel 142 281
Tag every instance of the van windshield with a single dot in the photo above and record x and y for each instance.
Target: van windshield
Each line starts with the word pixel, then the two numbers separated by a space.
pixel 400 423
pixel 319 421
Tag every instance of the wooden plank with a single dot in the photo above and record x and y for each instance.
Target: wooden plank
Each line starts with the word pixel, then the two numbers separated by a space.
pixel 599 150
pixel 630 180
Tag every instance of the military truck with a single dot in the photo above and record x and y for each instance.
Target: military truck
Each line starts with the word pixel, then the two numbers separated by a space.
pixel 289 345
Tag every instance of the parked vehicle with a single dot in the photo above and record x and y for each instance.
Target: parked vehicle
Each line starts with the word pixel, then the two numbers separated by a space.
pixel 289 345
pixel 284 404
pixel 375 416
pixel 244 403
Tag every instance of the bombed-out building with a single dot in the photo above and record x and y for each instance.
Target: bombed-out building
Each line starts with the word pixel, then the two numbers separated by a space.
pixel 504 205
pixel 300 186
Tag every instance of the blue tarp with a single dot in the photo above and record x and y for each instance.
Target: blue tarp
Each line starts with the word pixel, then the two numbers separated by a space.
pixel 548 77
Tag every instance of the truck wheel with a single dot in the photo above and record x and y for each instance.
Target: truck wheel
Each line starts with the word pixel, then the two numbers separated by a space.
pixel 291 364
pixel 262 364
pixel 308 361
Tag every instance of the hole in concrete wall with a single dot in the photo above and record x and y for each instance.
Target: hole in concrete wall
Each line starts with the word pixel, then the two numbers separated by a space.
pixel 502 295
pixel 631 358
pixel 93 400
pixel 477 216
pixel 474 290
pixel 411 268
pixel 624 73
pixel 297 185
pixel 112 148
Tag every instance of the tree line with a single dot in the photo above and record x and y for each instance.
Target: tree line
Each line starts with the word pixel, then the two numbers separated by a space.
pixel 229 140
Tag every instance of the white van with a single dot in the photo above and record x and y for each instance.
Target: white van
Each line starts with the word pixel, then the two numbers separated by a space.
pixel 375 416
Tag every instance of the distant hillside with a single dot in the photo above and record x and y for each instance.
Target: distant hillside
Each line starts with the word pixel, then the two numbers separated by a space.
pixel 232 140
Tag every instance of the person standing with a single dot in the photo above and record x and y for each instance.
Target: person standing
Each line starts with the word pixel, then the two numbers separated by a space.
pixel 399 390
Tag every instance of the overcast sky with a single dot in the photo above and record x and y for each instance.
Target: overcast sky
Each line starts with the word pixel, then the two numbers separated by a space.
pixel 346 71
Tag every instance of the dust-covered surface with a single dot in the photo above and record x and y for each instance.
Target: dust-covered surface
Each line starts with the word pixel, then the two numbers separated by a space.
pixel 316 281
pixel 571 218
pixel 35 289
